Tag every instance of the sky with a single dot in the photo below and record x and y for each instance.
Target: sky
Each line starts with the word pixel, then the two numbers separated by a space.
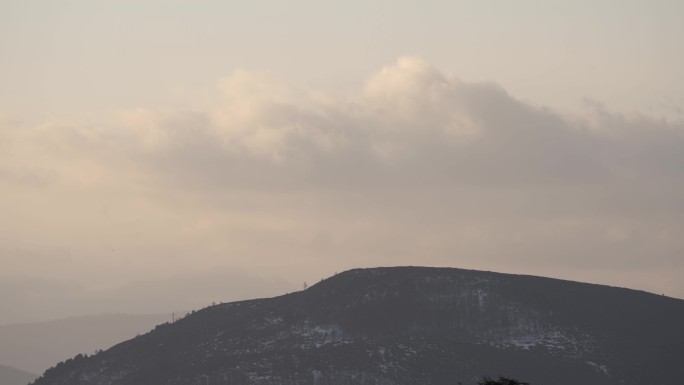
pixel 163 155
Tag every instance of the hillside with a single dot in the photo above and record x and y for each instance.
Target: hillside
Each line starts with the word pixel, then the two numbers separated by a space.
pixel 407 325
pixel 34 347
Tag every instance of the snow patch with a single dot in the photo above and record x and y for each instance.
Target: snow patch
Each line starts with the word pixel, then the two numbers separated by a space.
pixel 316 336
pixel 599 368
pixel 555 341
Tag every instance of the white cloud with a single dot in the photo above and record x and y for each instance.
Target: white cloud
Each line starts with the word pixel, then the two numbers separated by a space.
pixel 419 168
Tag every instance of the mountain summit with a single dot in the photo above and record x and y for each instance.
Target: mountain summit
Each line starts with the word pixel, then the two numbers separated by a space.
pixel 407 325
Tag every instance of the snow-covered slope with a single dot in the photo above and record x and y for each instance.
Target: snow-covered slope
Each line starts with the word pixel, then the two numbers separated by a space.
pixel 408 325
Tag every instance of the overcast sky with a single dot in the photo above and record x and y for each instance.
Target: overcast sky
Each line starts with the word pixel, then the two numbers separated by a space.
pixel 162 155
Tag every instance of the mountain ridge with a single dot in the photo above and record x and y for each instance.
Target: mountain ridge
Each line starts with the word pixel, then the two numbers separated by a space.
pixel 12 376
pixel 36 346
pixel 406 325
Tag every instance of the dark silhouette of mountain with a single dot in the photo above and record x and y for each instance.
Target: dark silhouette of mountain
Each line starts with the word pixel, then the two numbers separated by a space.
pixel 12 376
pixel 37 346
pixel 407 325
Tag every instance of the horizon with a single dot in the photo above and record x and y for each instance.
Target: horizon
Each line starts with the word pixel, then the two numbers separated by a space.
pixel 179 314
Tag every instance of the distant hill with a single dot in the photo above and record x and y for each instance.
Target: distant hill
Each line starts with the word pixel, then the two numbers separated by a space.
pixel 37 346
pixel 405 326
pixel 12 376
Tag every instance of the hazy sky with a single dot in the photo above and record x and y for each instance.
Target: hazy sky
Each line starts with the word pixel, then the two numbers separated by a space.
pixel 161 155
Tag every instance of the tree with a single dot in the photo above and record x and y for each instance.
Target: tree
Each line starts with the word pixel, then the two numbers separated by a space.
pixel 501 381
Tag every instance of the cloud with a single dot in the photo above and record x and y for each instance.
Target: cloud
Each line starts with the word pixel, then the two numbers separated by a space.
pixel 417 168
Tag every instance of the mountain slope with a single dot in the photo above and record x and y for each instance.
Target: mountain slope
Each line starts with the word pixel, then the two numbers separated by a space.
pixel 408 325
pixel 12 376
pixel 37 346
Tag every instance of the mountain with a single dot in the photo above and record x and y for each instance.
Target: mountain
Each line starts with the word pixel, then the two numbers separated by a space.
pixel 407 325
pixel 35 347
pixel 12 376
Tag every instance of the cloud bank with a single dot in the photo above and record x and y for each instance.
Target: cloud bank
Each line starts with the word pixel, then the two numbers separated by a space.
pixel 419 168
